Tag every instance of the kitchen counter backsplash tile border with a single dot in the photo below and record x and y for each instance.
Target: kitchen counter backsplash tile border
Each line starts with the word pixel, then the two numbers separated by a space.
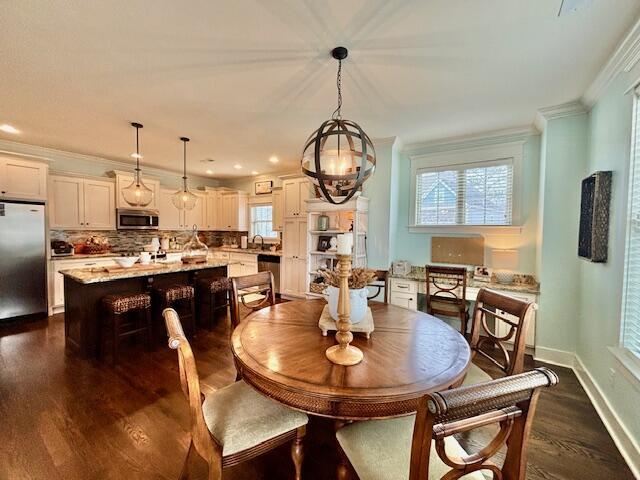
pixel 133 241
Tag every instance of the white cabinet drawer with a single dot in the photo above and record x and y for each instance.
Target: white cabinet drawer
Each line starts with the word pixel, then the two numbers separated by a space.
pixel 243 257
pixel 221 255
pixel 405 300
pixel 404 286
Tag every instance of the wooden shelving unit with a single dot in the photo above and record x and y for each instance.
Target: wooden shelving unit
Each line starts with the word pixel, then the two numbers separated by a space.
pixel 350 217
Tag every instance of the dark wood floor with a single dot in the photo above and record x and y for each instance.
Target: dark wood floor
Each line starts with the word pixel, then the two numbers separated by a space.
pixel 66 418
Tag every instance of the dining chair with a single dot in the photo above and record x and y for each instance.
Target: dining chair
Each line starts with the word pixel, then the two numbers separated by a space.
pixel 234 423
pixel 381 282
pixel 446 292
pixel 423 447
pixel 251 291
pixel 516 314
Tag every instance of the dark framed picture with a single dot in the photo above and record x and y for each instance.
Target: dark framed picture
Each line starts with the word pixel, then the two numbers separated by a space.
pixel 324 243
pixel 263 187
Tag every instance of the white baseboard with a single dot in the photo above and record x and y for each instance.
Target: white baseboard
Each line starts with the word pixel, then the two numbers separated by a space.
pixel 561 358
pixel 628 447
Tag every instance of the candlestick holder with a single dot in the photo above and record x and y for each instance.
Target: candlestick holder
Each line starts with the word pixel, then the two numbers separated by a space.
pixel 343 353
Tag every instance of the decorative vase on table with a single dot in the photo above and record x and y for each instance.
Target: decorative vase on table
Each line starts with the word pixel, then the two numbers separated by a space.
pixel 194 251
pixel 357 302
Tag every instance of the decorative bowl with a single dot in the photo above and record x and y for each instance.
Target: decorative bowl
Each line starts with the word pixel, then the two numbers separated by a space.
pixel 126 262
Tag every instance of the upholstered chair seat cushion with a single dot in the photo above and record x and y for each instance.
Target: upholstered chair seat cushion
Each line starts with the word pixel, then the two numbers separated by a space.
pixel 122 303
pixel 381 450
pixel 476 375
pixel 449 305
pixel 239 418
pixel 216 285
pixel 176 292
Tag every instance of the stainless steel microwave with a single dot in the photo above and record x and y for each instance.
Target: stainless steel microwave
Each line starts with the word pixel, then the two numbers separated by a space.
pixel 129 219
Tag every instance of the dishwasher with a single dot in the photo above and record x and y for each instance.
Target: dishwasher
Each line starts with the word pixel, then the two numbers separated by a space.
pixel 270 263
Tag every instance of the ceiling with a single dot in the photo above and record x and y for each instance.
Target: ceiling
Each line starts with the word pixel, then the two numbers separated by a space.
pixel 248 79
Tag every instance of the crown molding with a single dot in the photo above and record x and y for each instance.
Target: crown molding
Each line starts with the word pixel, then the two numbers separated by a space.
pixel 625 57
pixel 51 155
pixel 568 109
pixel 471 140
pixel 387 142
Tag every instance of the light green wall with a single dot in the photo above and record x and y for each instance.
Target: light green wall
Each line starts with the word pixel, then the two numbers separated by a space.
pixel 563 163
pixel 416 247
pixel 610 123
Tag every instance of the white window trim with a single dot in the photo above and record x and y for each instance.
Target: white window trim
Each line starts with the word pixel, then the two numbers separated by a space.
pixel 490 153
pixel 268 203
pixel 626 357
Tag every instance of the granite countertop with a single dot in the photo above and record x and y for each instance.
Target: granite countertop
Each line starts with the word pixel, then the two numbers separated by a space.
pixel 254 251
pixel 533 288
pixel 81 256
pixel 97 275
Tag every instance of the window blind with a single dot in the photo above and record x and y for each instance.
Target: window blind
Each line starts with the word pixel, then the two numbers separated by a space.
pixel 261 221
pixel 469 194
pixel 631 306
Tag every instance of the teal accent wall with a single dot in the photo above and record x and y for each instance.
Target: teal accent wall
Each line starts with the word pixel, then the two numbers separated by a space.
pixel 563 164
pixel 416 247
pixel 610 123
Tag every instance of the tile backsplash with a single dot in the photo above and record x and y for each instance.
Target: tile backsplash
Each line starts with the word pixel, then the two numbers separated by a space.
pixel 125 241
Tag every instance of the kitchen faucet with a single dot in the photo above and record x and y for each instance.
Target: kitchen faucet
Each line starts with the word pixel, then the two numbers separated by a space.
pixel 253 240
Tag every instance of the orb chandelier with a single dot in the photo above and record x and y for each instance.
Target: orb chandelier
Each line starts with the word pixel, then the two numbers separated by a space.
pixel 339 156
pixel 137 194
pixel 183 199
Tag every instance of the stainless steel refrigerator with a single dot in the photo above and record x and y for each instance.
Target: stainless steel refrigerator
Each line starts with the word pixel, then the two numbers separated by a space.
pixel 23 261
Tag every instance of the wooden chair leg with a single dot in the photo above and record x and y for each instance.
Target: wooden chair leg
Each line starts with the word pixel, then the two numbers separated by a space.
pixel 215 470
pixel 149 332
pixel 192 304
pixel 184 474
pixel 297 452
pixel 115 330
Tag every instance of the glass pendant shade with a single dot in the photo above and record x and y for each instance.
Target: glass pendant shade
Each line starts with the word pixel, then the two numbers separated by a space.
pixel 339 156
pixel 183 199
pixel 137 194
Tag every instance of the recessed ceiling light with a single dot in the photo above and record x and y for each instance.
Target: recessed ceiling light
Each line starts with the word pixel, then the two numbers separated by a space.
pixel 209 172
pixel 237 166
pixel 9 129
pixel 273 159
pixel 254 172
pixel 136 155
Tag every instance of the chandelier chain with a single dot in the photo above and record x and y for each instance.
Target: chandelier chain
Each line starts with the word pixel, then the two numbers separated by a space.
pixel 337 114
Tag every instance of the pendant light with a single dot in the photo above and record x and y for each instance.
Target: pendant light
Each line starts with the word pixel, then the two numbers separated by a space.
pixel 183 199
pixel 339 156
pixel 137 194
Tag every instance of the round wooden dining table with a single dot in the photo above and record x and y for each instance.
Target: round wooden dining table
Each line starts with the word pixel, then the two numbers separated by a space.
pixel 280 351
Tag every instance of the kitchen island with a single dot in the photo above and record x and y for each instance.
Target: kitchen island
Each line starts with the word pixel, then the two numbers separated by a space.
pixel 84 289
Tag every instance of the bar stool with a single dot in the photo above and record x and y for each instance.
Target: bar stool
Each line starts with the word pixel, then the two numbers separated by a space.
pixel 116 308
pixel 182 299
pixel 213 300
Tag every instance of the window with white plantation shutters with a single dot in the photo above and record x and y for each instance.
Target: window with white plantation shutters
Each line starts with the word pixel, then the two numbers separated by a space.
pixel 631 298
pixel 468 194
pixel 261 221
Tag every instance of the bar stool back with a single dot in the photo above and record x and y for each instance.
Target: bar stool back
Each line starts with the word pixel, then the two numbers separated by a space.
pixel 116 317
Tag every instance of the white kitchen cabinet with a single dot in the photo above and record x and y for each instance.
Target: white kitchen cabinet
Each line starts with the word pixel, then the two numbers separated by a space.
pixel 196 216
pixel 123 180
pixel 81 204
pixel 170 218
pixel 234 212
pixel 213 210
pixel 56 280
pixel 293 274
pixel 22 179
pixel 295 192
pixel 403 293
pixel 277 199
pixel 242 264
